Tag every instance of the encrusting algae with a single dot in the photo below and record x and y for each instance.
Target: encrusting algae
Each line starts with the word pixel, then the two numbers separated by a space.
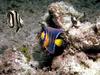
pixel 24 49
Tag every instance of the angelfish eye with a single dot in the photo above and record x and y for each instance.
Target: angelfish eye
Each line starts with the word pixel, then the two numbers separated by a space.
pixel 58 42
pixel 42 35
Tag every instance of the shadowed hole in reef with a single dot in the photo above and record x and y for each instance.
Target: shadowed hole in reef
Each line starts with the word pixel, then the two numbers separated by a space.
pixel 50 22
pixel 97 1
pixel 92 52
pixel 44 59
pixel 3 48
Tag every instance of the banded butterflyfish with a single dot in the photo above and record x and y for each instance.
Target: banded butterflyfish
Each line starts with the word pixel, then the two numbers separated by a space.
pixel 14 19
pixel 51 39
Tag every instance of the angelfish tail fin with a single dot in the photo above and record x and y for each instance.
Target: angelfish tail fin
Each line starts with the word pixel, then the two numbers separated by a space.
pixel 17 29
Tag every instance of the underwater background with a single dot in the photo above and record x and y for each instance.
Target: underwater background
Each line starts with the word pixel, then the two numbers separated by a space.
pixel 32 11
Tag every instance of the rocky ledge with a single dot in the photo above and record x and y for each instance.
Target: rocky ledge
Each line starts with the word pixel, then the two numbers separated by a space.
pixel 82 56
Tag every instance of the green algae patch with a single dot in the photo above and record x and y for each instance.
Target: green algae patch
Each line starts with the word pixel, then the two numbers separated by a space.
pixel 25 50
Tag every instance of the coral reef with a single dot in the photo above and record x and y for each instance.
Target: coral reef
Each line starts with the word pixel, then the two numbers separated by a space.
pixel 14 63
pixel 81 56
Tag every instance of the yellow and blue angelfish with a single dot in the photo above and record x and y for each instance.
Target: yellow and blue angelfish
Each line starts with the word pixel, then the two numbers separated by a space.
pixel 50 39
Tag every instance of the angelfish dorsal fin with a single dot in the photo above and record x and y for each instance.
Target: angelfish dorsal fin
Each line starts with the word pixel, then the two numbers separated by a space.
pixel 43 25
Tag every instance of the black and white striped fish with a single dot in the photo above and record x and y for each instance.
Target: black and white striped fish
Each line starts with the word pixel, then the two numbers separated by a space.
pixel 14 19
